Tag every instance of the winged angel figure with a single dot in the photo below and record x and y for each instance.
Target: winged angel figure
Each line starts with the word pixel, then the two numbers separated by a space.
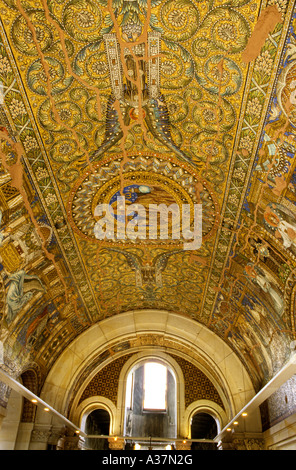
pixel 146 273
pixel 153 106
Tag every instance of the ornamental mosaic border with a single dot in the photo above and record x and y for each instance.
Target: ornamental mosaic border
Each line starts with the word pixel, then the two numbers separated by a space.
pixel 45 187
pixel 231 209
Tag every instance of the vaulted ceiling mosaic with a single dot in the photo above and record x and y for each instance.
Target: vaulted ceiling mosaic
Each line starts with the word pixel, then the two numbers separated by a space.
pixel 164 101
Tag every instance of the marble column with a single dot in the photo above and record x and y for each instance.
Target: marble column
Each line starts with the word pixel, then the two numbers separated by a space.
pixel 24 436
pixel 56 437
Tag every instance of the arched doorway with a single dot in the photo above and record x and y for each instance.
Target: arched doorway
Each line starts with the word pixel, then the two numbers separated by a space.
pixel 203 426
pixel 150 405
pixel 207 348
pixel 97 423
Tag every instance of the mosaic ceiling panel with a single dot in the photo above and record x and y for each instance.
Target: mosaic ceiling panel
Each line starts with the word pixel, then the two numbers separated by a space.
pixel 175 102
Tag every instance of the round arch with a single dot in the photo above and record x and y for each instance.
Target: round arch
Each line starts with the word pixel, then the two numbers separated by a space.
pixel 94 403
pixel 204 406
pixel 210 352
pixel 137 360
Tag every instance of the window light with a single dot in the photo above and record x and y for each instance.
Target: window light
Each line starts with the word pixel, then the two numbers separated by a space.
pixel 155 385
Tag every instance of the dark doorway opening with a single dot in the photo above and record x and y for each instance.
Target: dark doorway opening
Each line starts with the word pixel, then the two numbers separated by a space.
pixel 97 423
pixel 203 426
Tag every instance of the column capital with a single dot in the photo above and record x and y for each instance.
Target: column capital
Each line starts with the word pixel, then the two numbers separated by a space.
pixel 183 444
pixel 72 443
pixel 41 434
pixel 248 444
pixel 116 443
pixel 242 441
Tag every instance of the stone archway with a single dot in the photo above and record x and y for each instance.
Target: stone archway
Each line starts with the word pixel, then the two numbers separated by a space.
pixel 203 426
pixel 210 353
pixel 97 423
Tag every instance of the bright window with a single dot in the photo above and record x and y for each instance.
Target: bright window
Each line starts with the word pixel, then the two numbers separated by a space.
pixel 155 386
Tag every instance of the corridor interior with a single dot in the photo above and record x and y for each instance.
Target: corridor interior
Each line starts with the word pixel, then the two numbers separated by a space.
pixel 147 225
